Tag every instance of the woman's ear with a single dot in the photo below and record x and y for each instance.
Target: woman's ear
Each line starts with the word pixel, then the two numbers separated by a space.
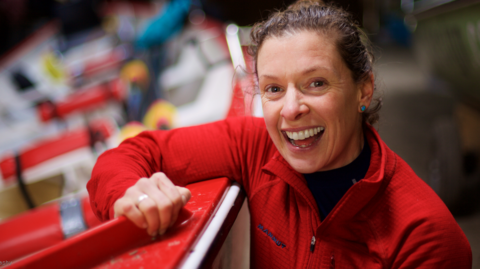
pixel 365 92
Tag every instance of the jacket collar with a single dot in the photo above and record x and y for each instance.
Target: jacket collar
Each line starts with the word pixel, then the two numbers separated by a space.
pixel 382 164
pixel 278 166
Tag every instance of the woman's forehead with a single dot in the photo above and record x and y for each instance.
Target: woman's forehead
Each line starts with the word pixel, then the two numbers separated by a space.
pixel 303 52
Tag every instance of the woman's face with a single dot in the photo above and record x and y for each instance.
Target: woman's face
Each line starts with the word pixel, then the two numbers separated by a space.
pixel 311 103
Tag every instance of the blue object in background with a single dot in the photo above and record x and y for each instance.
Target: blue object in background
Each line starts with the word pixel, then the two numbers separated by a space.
pixel 166 24
pixel 397 30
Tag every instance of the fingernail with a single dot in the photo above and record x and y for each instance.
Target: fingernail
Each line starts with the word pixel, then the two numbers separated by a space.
pixel 153 234
pixel 144 226
pixel 184 199
pixel 162 231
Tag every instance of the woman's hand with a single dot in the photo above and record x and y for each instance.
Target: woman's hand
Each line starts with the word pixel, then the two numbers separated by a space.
pixel 152 203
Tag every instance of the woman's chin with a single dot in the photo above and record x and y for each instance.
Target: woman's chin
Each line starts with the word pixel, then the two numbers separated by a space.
pixel 304 160
pixel 303 166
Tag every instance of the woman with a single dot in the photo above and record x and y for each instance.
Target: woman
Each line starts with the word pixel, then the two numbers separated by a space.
pixel 317 175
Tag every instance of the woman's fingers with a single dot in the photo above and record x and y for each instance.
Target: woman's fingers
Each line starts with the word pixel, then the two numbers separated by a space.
pixel 153 203
pixel 152 206
pixel 149 208
pixel 174 200
pixel 125 206
pixel 185 193
pixel 163 209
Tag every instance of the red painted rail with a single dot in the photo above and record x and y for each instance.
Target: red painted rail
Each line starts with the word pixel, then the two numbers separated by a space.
pixel 55 146
pixel 120 244
pixel 83 100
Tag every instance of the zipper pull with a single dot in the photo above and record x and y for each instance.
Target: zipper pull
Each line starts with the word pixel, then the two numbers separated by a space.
pixel 312 244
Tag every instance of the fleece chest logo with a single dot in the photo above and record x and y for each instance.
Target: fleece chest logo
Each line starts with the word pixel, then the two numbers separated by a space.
pixel 269 234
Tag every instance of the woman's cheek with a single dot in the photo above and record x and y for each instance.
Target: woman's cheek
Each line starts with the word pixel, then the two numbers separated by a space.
pixel 270 108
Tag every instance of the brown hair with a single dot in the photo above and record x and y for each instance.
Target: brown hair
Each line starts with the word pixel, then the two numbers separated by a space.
pixel 352 42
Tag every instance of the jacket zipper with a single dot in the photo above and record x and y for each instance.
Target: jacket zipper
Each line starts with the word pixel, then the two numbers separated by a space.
pixel 313 241
pixel 312 249
pixel 312 244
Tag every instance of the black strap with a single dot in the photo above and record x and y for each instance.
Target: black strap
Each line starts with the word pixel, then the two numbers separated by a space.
pixel 21 182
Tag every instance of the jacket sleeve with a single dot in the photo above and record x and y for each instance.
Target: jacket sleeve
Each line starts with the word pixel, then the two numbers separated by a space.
pixel 427 234
pixel 435 245
pixel 186 155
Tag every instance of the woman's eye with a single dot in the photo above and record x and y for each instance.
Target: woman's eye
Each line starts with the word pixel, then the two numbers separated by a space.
pixel 274 89
pixel 317 84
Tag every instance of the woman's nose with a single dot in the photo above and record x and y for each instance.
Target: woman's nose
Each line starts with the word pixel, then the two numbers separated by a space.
pixel 293 107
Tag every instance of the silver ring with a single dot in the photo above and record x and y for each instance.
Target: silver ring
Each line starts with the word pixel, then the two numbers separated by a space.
pixel 141 198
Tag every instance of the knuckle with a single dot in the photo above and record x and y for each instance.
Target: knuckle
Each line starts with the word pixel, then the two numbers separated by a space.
pixel 168 187
pixel 166 208
pixel 158 176
pixel 161 174
pixel 130 191
pixel 149 207
pixel 142 180
pixel 167 205
pixel 142 184
pixel 172 189
pixel 127 207
pixel 177 201
pixel 165 182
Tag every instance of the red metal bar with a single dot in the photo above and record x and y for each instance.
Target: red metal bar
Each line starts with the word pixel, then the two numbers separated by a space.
pixel 83 100
pixel 120 244
pixel 53 147
pixel 37 229
pixel 29 232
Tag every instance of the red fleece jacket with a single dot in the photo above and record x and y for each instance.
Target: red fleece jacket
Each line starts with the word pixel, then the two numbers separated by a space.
pixel 389 219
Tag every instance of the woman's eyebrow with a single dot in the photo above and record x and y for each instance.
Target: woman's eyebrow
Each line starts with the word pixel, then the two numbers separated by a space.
pixel 268 76
pixel 303 72
pixel 316 68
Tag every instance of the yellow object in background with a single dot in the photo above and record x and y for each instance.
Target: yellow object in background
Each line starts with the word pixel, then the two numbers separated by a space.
pixel 53 66
pixel 131 129
pixel 160 115
pixel 136 71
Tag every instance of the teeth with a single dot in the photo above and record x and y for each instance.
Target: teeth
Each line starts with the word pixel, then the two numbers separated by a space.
pixel 301 135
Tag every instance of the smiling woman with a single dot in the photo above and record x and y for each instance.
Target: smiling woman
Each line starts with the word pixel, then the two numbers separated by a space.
pixel 305 85
pixel 324 190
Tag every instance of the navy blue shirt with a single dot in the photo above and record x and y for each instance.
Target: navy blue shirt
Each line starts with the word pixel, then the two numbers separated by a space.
pixel 328 187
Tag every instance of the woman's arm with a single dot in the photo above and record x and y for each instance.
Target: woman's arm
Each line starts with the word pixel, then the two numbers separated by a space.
pixel 434 245
pixel 184 155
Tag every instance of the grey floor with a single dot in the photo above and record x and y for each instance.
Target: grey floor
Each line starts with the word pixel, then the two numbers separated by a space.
pixel 411 104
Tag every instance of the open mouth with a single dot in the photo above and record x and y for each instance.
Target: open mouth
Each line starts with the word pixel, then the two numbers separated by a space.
pixel 304 138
